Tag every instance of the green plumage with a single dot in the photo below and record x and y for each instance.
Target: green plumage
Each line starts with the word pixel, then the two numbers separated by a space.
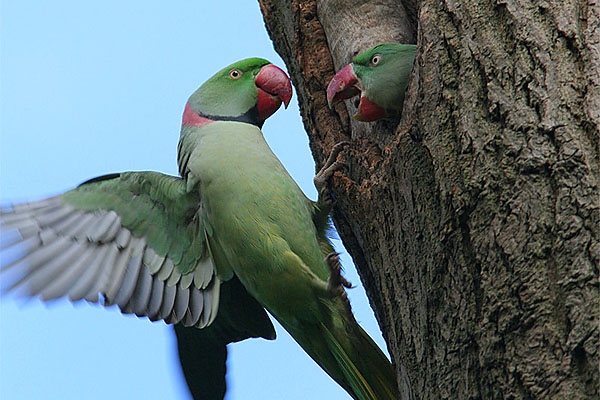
pixel 163 212
pixel 262 228
pixel 385 83
pixel 235 234
pixel 380 76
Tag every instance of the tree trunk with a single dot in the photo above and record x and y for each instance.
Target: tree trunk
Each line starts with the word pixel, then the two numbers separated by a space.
pixel 474 221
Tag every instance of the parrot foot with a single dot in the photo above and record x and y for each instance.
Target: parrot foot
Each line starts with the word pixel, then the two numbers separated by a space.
pixel 336 282
pixel 322 178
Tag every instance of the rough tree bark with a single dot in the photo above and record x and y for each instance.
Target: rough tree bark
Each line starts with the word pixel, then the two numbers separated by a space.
pixel 475 220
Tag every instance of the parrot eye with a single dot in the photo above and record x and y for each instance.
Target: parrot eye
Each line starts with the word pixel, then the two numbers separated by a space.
pixel 375 59
pixel 235 73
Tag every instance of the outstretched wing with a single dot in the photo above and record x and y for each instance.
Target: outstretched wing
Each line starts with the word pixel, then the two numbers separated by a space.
pixel 133 239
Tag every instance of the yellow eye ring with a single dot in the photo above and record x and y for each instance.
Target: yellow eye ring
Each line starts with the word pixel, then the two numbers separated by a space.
pixel 235 73
pixel 375 59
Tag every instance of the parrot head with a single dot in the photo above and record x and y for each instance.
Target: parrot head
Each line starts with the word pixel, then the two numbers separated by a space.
pixel 249 91
pixel 380 76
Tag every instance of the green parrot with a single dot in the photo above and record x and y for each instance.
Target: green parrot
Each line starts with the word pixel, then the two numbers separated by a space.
pixel 208 251
pixel 380 75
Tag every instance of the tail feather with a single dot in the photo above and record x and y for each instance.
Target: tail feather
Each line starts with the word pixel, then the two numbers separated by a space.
pixel 347 353
pixel 380 370
pixel 356 380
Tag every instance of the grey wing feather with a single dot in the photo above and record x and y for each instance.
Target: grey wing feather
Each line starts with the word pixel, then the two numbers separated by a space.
pixel 91 270
pixel 168 301
pixel 156 299
pixel 52 250
pixel 132 271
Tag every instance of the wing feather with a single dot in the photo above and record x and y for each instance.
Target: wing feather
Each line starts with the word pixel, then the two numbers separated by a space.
pixel 81 226
pixel 110 257
pixel 141 295
pixel 123 238
pixel 210 313
pixel 186 280
pixel 114 280
pixel 129 281
pixel 49 215
pixel 63 225
pixel 47 247
pixel 181 304
pixel 168 302
pixel 156 299
pixel 152 260
pixel 127 239
pixel 64 282
pixel 43 276
pixel 19 247
pixel 106 229
pixel 166 270
pixel 195 309
pixel 86 281
pixel 203 274
pixel 174 278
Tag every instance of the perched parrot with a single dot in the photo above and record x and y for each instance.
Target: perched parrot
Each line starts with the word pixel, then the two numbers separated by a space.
pixel 210 250
pixel 380 75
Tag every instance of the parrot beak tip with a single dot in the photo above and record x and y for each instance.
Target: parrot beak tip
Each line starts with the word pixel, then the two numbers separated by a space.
pixel 344 85
pixel 275 81
pixel 274 87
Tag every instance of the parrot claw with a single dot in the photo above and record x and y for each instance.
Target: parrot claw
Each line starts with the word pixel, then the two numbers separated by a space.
pixel 322 178
pixel 336 282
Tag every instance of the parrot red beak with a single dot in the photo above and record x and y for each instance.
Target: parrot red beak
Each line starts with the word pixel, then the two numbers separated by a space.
pixel 344 85
pixel 274 87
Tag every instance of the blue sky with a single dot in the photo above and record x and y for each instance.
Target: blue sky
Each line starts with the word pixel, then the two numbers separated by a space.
pixel 88 88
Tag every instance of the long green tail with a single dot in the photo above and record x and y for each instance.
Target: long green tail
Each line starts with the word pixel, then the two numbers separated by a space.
pixel 351 358
pixel 369 374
